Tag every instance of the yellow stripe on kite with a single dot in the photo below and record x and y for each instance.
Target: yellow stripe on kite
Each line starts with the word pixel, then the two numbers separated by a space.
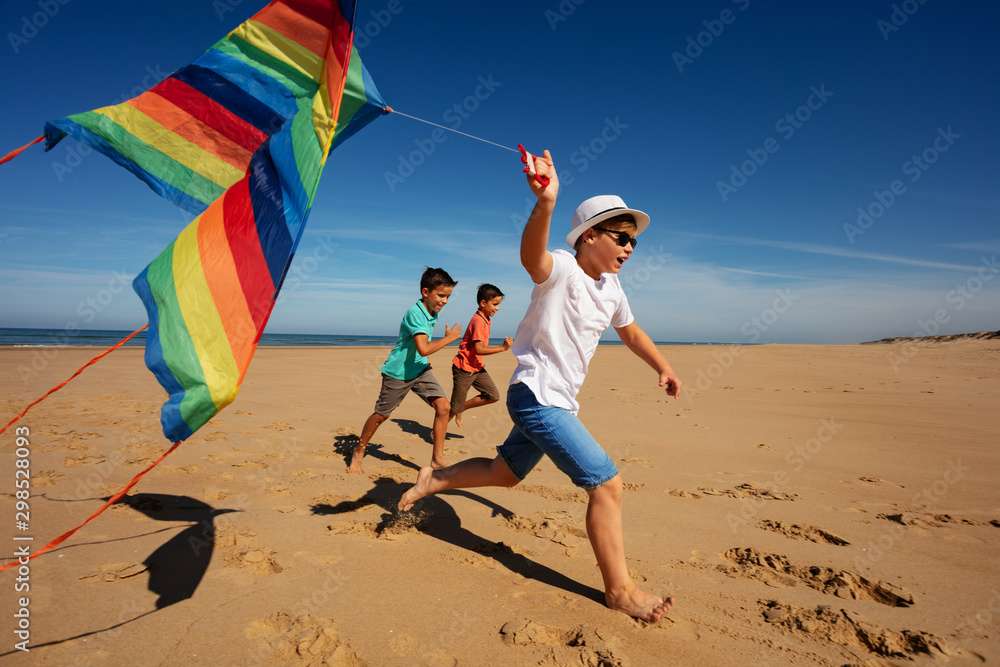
pixel 322 111
pixel 282 48
pixel 201 317
pixel 171 144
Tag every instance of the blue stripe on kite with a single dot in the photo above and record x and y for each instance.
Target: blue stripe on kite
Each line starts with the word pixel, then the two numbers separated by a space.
pixel 292 190
pixel 56 130
pixel 261 86
pixel 174 426
pixel 239 102
pixel 347 8
pixel 373 107
pixel 268 211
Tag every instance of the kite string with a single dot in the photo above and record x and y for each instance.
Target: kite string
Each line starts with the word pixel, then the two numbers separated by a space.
pixel 80 370
pixel 391 110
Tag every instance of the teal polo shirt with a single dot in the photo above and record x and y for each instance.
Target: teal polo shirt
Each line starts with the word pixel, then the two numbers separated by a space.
pixel 404 362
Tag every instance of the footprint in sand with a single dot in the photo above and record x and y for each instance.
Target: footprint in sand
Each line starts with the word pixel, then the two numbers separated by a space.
pixel 189 469
pixel 82 460
pixel 242 412
pixel 930 520
pixel 748 490
pixel 795 531
pixel 280 426
pixel 774 569
pixel 116 572
pixel 302 639
pixel 682 494
pixel 849 629
pixel 217 436
pixel 250 464
pixel 558 527
pixel 564 494
pixel 582 645
pixel 44 478
pixel 242 553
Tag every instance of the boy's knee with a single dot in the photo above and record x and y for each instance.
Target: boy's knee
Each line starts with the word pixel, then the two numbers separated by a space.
pixel 612 489
pixel 503 476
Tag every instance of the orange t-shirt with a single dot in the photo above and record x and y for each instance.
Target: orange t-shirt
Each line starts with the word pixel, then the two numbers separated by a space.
pixel 478 329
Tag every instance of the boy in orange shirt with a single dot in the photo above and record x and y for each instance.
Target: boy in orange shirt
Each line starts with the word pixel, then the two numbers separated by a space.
pixel 467 368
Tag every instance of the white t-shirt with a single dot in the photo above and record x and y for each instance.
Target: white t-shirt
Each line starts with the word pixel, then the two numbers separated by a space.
pixel 559 334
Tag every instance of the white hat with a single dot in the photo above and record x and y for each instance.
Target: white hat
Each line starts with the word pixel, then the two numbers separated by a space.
pixel 598 209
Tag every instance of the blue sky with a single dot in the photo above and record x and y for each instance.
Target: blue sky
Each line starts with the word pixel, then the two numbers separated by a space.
pixel 815 173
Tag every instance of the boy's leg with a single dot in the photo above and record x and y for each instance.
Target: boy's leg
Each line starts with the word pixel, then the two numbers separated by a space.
pixel 461 381
pixel 488 392
pixel 604 528
pixel 478 402
pixel 427 388
pixel 371 425
pixel 442 413
pixel 465 474
pixel 390 396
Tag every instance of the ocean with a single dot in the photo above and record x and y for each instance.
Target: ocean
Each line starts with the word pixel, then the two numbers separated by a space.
pixel 103 339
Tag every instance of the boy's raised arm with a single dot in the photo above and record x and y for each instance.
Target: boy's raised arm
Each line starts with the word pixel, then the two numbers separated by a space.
pixel 535 257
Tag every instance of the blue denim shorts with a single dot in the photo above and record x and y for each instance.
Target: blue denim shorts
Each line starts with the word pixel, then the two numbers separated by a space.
pixel 541 430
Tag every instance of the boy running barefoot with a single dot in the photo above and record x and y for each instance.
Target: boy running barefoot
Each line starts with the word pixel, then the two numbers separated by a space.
pixel 407 368
pixel 574 300
pixel 467 369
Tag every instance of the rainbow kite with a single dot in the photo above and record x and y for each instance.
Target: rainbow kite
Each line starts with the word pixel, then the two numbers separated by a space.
pixel 239 136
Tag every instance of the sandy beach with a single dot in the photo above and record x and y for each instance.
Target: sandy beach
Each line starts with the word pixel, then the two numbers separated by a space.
pixel 806 505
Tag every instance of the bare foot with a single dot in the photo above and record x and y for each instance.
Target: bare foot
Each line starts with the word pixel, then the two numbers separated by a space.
pixel 458 419
pixel 639 604
pixel 437 464
pixel 356 457
pixel 419 490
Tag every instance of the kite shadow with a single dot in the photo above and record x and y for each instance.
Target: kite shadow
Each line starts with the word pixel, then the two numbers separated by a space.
pixel 178 565
pixel 433 516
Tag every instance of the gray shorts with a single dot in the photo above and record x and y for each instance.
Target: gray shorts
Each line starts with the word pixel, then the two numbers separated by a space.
pixel 394 391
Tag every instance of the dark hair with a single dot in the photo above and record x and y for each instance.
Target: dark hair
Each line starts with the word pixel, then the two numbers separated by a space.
pixel 622 222
pixel 434 278
pixel 487 292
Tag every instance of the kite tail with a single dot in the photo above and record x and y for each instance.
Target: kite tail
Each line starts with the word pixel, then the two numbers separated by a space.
pixel 80 370
pixel 14 153
pixel 111 501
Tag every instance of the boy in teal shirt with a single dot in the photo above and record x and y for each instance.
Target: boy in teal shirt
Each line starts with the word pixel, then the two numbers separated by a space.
pixel 407 368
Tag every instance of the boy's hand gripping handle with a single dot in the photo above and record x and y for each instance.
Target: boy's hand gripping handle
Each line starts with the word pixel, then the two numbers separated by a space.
pixel 529 168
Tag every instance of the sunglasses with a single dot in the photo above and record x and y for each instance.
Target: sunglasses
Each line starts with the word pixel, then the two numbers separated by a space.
pixel 624 238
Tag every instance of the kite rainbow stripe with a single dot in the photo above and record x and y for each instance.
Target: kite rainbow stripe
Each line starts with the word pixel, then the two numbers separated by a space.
pixel 240 136
pixel 192 135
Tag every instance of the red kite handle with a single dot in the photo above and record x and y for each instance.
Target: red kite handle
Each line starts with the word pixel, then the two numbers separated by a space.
pixel 529 161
